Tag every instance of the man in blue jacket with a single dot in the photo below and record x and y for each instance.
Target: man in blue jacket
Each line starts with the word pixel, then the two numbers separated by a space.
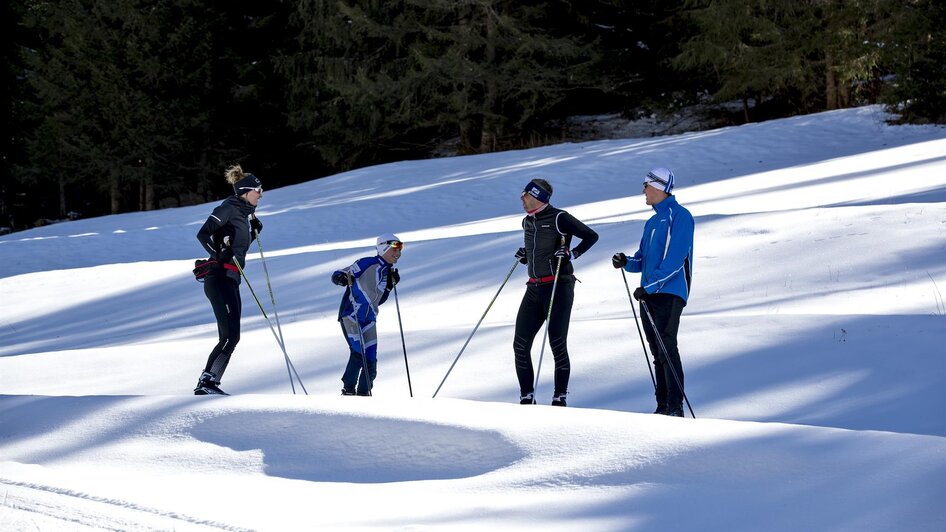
pixel 367 284
pixel 665 262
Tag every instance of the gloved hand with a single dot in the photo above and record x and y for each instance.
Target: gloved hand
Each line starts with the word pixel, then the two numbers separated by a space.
pixel 563 253
pixel 521 255
pixel 393 278
pixel 341 278
pixel 619 260
pixel 256 225
pixel 640 293
pixel 226 252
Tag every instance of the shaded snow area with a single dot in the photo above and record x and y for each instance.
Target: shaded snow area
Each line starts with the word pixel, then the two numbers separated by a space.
pixel 813 345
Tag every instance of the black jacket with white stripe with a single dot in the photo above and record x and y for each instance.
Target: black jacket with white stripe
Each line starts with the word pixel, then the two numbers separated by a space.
pixel 229 221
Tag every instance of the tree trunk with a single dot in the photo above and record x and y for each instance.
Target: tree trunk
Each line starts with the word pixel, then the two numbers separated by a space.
pixel 146 194
pixel 830 82
pixel 149 194
pixel 62 197
pixel 114 191
pixel 471 134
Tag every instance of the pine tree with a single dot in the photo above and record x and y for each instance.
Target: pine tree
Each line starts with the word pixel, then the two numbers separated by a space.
pixel 808 55
pixel 373 78
pixel 99 82
pixel 147 102
pixel 915 47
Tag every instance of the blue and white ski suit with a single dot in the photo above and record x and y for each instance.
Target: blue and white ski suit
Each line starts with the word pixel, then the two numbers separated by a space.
pixel 369 291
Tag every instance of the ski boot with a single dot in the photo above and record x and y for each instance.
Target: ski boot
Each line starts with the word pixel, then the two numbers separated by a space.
pixel 208 385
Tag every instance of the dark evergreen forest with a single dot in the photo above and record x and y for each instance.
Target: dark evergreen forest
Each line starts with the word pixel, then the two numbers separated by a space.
pixel 126 105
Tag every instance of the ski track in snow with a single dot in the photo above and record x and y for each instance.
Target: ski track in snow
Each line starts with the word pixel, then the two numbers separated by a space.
pixel 98 513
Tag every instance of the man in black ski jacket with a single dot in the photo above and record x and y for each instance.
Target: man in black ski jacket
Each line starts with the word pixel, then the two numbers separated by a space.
pixel 548 233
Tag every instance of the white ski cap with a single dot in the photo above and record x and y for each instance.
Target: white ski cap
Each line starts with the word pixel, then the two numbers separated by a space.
pixel 386 242
pixel 660 178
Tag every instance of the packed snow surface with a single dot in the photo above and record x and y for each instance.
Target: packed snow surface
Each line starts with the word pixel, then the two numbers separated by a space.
pixel 813 345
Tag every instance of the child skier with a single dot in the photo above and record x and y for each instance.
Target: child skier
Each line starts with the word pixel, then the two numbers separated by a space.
pixel 367 284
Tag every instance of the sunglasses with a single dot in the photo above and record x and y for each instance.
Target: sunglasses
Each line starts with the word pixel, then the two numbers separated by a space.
pixel 652 177
pixel 396 244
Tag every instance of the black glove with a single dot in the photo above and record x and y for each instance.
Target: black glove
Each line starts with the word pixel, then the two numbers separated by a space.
pixel 640 293
pixel 619 260
pixel 393 278
pixel 256 225
pixel 521 255
pixel 341 278
pixel 226 252
pixel 563 253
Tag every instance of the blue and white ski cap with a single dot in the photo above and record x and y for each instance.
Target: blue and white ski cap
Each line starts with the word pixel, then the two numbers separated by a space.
pixel 660 178
pixel 383 243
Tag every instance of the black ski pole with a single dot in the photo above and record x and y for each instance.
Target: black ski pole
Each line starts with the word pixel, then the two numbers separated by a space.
pixel 508 275
pixel 666 355
pixel 361 337
pixel 397 305
pixel 270 323
pixel 548 316
pixel 641 334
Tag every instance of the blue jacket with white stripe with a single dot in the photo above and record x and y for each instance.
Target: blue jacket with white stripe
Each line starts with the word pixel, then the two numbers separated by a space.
pixel 665 256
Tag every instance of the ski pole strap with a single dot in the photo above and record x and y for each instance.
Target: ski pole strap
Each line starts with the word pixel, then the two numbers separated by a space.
pixel 540 280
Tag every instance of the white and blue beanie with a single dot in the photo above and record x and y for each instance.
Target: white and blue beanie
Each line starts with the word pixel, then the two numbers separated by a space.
pixel 385 241
pixel 660 178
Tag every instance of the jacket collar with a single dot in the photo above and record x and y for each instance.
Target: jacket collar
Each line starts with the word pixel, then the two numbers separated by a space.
pixel 545 209
pixel 665 205
pixel 241 205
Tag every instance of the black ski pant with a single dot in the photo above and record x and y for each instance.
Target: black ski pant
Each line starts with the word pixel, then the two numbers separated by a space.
pixel 224 296
pixel 529 321
pixel 665 309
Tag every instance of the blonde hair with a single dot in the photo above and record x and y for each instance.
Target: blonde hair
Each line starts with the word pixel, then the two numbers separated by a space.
pixel 234 174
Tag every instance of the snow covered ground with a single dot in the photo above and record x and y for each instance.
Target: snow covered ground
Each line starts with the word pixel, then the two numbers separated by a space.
pixel 813 346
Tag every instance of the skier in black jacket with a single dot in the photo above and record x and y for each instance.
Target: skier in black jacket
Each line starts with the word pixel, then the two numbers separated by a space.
pixel 548 233
pixel 226 236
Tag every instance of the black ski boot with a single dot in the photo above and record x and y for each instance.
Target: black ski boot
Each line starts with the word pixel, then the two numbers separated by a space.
pixel 675 411
pixel 348 391
pixel 559 399
pixel 208 385
pixel 527 399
